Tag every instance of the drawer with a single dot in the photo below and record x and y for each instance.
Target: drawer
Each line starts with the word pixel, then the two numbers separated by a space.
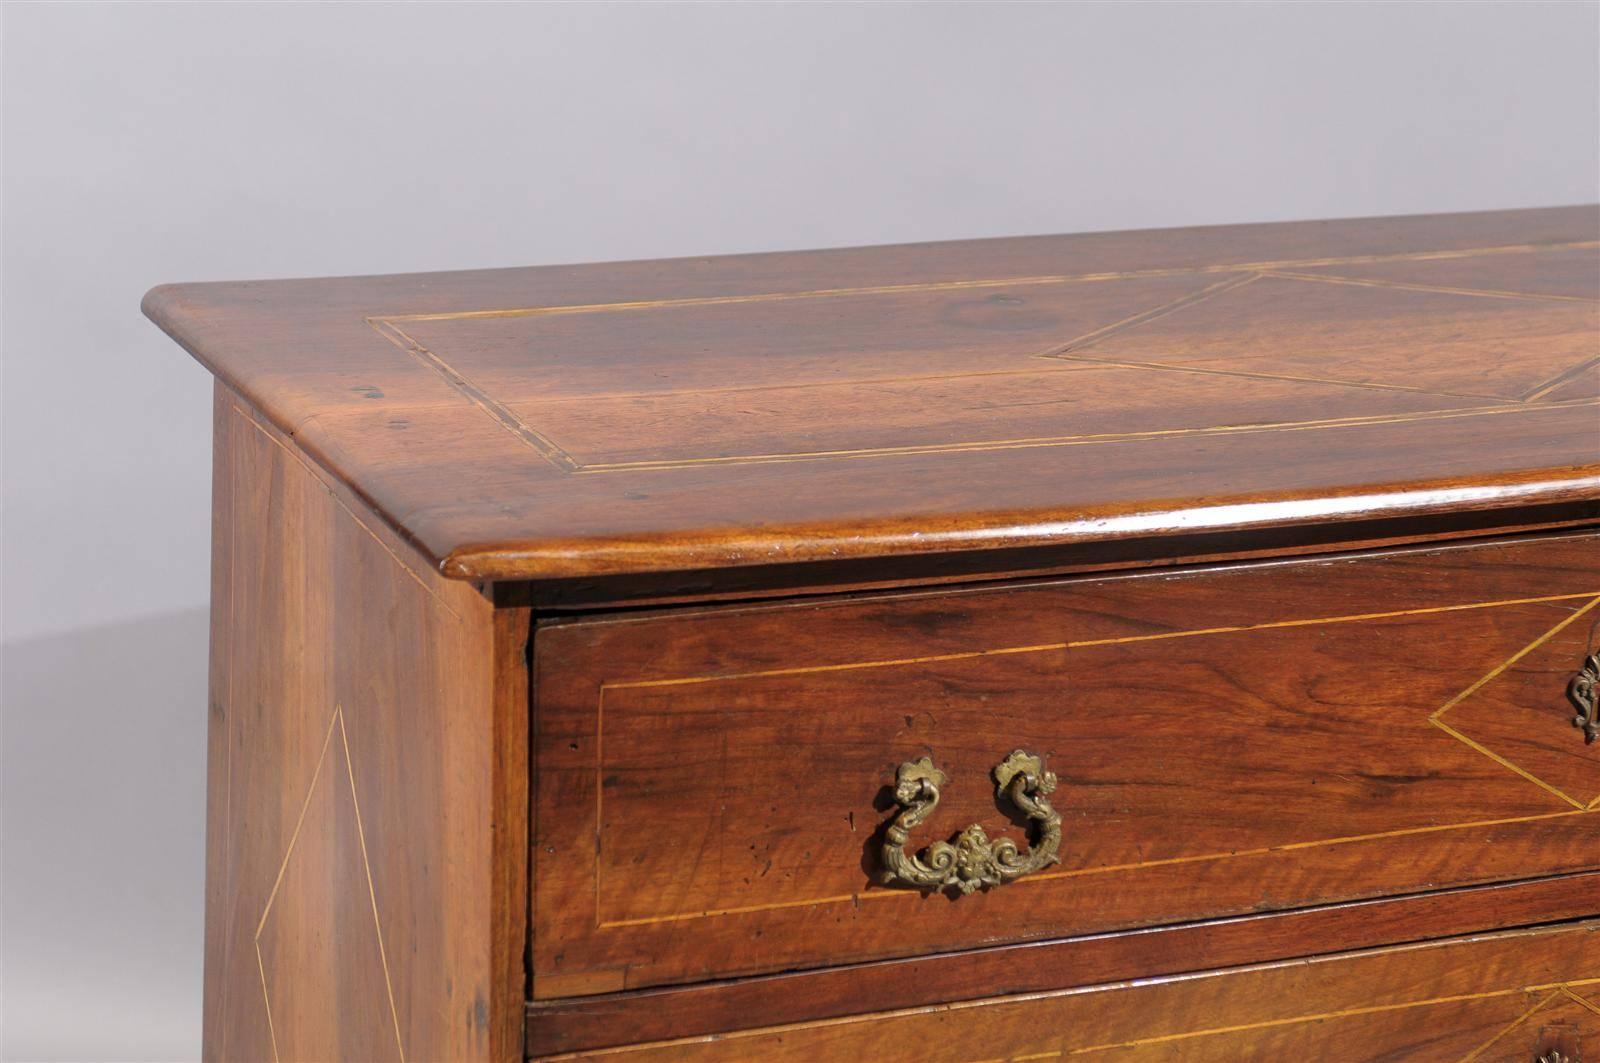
pixel 714 790
pixel 1528 996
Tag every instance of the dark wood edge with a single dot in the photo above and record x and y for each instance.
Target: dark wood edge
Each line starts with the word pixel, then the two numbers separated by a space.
pixel 512 830
pixel 973 567
pixel 1430 537
pixel 913 539
pixel 584 1023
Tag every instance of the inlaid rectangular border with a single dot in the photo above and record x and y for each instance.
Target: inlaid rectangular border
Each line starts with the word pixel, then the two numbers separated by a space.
pixel 1232 276
pixel 1593 597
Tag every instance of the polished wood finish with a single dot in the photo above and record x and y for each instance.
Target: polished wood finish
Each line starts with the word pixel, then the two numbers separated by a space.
pixel 933 400
pixel 1505 998
pixel 569 625
pixel 711 786
pixel 368 782
pixel 583 1023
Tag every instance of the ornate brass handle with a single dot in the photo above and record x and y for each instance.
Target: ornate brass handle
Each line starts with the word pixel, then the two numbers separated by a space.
pixel 973 861
pixel 1584 693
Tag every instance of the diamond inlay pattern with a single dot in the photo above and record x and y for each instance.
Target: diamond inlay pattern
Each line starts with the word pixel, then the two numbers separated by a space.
pixel 1519 715
pixel 308 928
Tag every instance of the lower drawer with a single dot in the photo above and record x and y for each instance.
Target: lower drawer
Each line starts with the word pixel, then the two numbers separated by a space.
pixel 1514 997
pixel 723 792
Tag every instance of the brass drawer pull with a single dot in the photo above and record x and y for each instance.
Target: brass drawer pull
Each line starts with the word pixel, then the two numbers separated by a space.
pixel 1584 693
pixel 973 861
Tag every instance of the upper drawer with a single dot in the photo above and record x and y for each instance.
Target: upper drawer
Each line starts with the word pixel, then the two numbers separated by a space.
pixel 713 789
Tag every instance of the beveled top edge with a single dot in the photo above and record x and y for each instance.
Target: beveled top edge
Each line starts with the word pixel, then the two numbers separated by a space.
pixel 580 558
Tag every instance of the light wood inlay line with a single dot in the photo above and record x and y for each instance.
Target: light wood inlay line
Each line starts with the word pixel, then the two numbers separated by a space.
pixel 1023 998
pixel 1081 872
pixel 1589 1005
pixel 1437 717
pixel 366 866
pixel 1487 293
pixel 1578 807
pixel 266 1001
pixel 1296 1020
pixel 1504 763
pixel 1244 374
pixel 294 836
pixel 1560 378
pixel 997 282
pixel 550 450
pixel 1529 648
pixel 321 480
pixel 1163 310
pixel 1234 276
pixel 1568 984
pixel 299 822
pixel 372 893
pixel 1306 622
pixel 547 447
pixel 1488 753
pixel 1518 1021
pixel 814 385
pixel 1069 441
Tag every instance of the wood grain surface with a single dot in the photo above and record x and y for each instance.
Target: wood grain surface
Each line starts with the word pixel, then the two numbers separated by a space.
pixel 582 1023
pixel 714 415
pixel 367 798
pixel 711 786
pixel 1512 997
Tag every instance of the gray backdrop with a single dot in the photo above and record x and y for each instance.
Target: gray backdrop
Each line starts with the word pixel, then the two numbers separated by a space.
pixel 148 143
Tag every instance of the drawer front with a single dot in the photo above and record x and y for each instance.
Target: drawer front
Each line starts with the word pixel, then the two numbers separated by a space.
pixel 1528 996
pixel 715 790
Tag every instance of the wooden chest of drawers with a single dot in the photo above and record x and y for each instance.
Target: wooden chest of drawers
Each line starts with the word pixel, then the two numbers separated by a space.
pixel 1167 645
